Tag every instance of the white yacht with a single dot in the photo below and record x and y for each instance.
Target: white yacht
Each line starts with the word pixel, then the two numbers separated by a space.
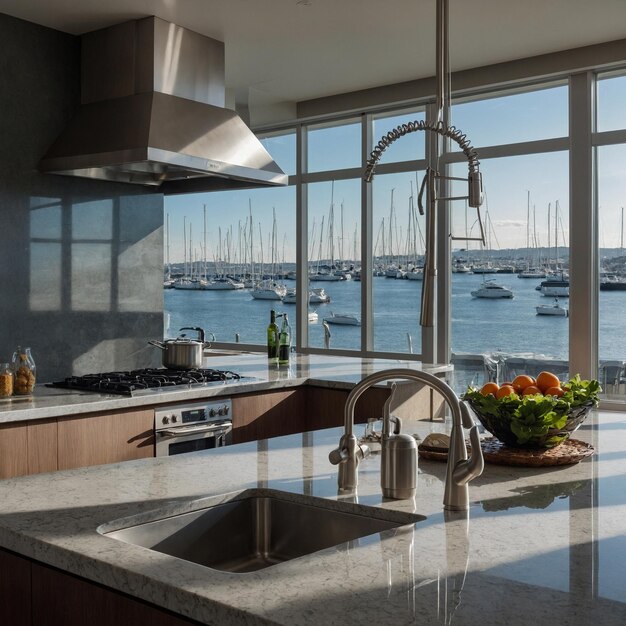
pixel 269 290
pixel 555 287
pixel 490 289
pixel 313 317
pixel 344 319
pixel 554 309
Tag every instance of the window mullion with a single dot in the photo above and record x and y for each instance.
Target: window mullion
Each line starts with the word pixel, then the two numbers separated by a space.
pixel 584 293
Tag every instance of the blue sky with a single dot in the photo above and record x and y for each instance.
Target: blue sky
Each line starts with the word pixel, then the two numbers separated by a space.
pixel 539 114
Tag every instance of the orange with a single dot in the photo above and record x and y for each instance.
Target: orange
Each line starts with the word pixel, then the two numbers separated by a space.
pixel 531 390
pixel 489 388
pixel 522 381
pixel 545 380
pixel 505 390
pixel 554 391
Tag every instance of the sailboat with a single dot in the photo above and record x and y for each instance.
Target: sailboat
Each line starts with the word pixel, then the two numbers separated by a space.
pixel 557 283
pixel 269 289
pixel 530 271
pixel 190 280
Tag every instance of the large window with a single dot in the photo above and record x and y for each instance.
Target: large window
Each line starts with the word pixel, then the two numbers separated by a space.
pixel 611 250
pixel 231 256
pixel 524 140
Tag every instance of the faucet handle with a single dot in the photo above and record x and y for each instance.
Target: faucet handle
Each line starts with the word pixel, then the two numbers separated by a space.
pixel 338 455
pixel 397 424
pixel 466 415
pixel 467 470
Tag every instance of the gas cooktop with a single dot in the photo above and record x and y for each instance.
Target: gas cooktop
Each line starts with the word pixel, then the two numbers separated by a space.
pixel 145 381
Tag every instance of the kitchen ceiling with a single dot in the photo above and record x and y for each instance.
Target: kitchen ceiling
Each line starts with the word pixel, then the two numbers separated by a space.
pixel 279 52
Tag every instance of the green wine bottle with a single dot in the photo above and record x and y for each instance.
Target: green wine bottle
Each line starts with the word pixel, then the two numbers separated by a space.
pixel 272 338
pixel 284 343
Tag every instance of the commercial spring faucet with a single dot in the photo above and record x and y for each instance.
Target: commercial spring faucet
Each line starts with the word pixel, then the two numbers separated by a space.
pixel 460 469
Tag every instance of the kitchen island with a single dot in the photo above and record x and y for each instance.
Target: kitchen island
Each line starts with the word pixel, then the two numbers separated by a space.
pixel 540 545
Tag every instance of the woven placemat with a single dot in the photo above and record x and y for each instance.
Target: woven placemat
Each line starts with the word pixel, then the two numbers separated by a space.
pixel 567 453
pixel 494 451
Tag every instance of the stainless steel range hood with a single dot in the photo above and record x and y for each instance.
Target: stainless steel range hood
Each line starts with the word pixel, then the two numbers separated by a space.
pixel 152 113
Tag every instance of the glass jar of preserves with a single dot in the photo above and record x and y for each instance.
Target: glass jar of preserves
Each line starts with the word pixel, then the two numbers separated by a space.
pixel 6 380
pixel 24 372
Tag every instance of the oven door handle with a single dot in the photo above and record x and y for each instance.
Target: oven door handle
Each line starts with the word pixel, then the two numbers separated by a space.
pixel 184 431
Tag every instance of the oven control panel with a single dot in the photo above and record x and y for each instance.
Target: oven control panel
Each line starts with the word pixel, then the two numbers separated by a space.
pixel 201 412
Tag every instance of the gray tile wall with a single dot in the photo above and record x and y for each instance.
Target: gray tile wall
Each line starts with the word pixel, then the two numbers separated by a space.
pixel 81 261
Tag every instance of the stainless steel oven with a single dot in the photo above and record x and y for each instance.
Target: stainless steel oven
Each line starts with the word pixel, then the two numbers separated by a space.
pixel 191 427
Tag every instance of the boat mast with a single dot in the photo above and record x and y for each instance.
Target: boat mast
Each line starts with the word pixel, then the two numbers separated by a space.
pixel 204 243
pixel 185 273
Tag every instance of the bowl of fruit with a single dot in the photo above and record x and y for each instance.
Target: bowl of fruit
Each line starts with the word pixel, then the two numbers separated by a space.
pixel 532 412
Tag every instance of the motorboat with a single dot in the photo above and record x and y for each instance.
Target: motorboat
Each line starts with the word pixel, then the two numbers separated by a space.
pixel 316 296
pixel 490 289
pixel 532 272
pixel 555 287
pixel 268 290
pixel 612 282
pixel 416 274
pixel 319 276
pixel 344 319
pixel 313 317
pixel 460 268
pixel 555 309
pixel 223 284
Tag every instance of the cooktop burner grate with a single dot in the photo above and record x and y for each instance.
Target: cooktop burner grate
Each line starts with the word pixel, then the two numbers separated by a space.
pixel 126 383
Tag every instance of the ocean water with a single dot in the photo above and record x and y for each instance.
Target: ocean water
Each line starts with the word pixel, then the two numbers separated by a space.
pixel 478 325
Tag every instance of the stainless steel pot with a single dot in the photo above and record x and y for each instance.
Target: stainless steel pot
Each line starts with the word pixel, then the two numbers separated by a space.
pixel 182 353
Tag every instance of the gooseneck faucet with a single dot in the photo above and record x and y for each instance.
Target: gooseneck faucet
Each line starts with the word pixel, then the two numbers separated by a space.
pixel 460 469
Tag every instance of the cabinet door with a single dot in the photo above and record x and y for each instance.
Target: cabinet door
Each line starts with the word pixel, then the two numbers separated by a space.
pixel 325 407
pixel 14 590
pixel 100 438
pixel 272 414
pixel 28 448
pixel 59 599
pixel 13 450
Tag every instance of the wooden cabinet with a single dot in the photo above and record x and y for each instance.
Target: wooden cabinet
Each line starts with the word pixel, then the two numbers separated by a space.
pixel 28 448
pixel 75 441
pixel 32 594
pixel 98 438
pixel 268 414
pixel 112 437
pixel 15 580
pixel 325 407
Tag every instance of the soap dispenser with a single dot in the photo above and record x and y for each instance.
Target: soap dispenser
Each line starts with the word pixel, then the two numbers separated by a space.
pixel 398 468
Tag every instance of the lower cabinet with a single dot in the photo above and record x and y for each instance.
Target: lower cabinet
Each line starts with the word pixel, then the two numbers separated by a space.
pixel 32 594
pixel 99 438
pixel 268 414
pixel 75 441
pixel 15 580
pixel 28 448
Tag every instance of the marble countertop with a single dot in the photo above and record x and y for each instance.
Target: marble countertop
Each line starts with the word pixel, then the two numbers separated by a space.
pixel 540 545
pixel 319 370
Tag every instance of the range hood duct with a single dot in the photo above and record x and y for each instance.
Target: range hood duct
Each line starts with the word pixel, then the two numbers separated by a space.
pixel 152 113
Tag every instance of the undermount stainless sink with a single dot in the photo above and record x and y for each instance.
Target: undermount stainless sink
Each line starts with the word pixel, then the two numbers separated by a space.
pixel 256 529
